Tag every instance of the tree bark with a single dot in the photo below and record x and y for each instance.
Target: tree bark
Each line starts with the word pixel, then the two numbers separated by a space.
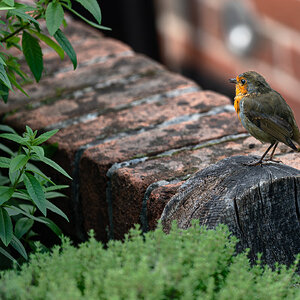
pixel 259 204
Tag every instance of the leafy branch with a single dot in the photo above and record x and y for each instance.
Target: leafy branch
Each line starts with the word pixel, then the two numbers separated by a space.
pixel 24 21
pixel 26 190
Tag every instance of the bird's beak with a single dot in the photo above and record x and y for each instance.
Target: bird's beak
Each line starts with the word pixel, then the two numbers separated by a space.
pixel 233 80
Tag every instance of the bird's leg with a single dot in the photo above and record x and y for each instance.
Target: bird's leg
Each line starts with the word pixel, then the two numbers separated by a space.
pixel 272 153
pixel 260 161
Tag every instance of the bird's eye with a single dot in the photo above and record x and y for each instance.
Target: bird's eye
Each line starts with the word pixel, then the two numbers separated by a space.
pixel 243 81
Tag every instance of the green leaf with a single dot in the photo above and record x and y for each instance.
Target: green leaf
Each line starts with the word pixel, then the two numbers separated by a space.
pixel 29 131
pixel 56 210
pixel 44 137
pixel 55 166
pixel 36 192
pixel 34 169
pixel 66 45
pixel 2 61
pixel 22 226
pixel 59 50
pixel 19 195
pixel 7 129
pixel 5 253
pixel 33 55
pixel 18 162
pixel 4 78
pixel 39 151
pixel 9 2
pixel 28 207
pixel 24 7
pixel 52 195
pixel 5 194
pixel 13 176
pixel 84 19
pixel 4 92
pixel 6 227
pixel 4 162
pixel 3 7
pixel 54 16
pixel 4 180
pixel 13 211
pixel 6 149
pixel 55 187
pixel 13 80
pixel 93 7
pixel 22 14
pixel 52 226
pixel 14 137
pixel 19 247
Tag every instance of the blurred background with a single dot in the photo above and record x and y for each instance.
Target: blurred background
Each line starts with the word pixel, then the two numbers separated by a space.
pixel 213 40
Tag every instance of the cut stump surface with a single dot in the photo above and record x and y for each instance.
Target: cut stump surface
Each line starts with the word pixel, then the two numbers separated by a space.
pixel 259 204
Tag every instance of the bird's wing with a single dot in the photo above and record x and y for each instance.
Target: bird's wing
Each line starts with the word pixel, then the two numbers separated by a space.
pixel 272 116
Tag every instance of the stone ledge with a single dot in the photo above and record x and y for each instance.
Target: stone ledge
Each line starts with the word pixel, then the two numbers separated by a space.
pixel 131 133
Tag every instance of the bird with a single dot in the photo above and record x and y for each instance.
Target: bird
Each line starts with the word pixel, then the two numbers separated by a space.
pixel 264 113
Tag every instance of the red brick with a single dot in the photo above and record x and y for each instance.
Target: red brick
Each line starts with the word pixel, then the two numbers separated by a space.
pixel 66 79
pixel 158 140
pixel 97 160
pixel 147 114
pixel 138 117
pixel 129 183
pixel 102 94
pixel 157 201
pixel 87 51
pixel 285 12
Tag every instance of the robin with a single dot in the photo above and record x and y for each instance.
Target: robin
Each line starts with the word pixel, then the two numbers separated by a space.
pixel 264 113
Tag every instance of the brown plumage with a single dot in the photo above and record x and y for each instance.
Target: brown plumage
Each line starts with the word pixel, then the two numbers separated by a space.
pixel 264 113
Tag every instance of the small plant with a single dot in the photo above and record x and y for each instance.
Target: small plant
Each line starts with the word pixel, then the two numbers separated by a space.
pixel 25 190
pixel 186 264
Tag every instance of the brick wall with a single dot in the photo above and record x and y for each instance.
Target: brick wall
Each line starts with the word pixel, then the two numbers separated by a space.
pixel 131 132
pixel 192 35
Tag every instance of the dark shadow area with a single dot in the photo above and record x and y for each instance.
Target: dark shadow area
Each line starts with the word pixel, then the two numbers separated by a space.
pixel 131 21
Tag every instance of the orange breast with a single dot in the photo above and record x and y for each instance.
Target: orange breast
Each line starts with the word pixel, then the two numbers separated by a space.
pixel 241 89
pixel 237 100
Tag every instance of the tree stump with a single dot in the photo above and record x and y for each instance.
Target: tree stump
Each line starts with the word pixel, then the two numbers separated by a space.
pixel 259 204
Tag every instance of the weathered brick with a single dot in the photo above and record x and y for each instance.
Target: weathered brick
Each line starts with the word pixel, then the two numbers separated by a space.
pixel 65 80
pixel 130 183
pixel 101 157
pixel 96 88
pixel 129 129
pixel 157 201
pixel 145 115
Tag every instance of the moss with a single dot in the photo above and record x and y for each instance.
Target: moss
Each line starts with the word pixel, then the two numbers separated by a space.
pixel 140 155
pixel 185 264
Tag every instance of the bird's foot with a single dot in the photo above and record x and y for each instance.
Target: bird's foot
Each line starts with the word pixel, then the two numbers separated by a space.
pixel 274 160
pixel 261 162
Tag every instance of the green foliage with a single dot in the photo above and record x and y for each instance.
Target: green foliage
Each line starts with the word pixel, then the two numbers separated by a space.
pixel 185 264
pixel 24 20
pixel 54 16
pixel 66 46
pixel 33 54
pixel 25 190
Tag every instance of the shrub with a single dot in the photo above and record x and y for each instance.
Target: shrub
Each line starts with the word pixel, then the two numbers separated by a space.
pixel 193 264
pixel 25 191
